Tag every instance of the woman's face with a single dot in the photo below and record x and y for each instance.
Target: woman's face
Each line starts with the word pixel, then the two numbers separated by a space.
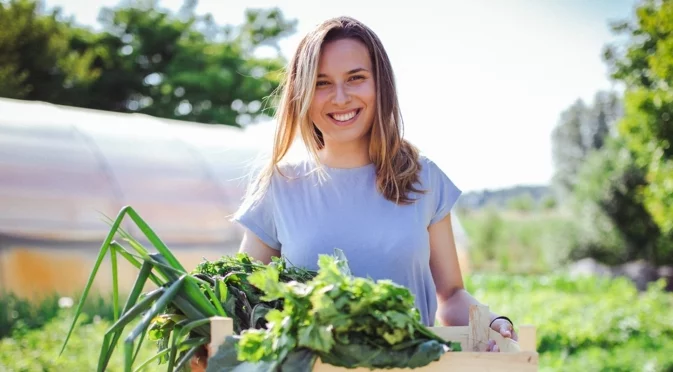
pixel 344 103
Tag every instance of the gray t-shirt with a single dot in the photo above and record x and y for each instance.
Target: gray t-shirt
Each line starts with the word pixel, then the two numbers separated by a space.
pixel 304 218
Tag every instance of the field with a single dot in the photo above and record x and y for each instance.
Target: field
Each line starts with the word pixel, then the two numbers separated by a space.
pixel 583 324
pixel 518 242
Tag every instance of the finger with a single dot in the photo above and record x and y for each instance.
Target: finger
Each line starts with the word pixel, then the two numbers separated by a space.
pixel 496 348
pixel 505 331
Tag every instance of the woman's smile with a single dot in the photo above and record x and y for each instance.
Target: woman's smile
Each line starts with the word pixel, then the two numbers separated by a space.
pixel 343 118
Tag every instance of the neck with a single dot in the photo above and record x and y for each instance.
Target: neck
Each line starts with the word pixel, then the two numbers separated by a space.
pixel 345 155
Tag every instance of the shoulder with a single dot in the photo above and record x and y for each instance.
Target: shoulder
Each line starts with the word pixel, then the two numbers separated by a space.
pixel 290 172
pixel 426 163
pixel 441 191
pixel 431 173
pixel 293 168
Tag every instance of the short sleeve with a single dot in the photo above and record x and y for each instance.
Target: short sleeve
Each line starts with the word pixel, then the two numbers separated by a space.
pixel 258 216
pixel 445 193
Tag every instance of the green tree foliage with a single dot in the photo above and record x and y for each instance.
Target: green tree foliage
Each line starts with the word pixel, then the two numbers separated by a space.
pixel 613 224
pixel 36 61
pixel 145 60
pixel 581 130
pixel 645 65
pixel 617 163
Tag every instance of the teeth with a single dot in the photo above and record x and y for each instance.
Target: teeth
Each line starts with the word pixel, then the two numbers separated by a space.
pixel 344 117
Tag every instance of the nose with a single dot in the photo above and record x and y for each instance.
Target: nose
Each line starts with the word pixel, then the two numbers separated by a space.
pixel 341 96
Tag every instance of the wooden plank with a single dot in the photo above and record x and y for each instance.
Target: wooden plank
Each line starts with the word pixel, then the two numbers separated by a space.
pixel 220 328
pixel 457 334
pixel 479 329
pixel 527 338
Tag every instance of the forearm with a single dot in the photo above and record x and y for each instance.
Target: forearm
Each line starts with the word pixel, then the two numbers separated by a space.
pixel 455 310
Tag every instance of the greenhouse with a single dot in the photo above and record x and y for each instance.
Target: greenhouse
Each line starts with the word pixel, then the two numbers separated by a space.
pixel 64 170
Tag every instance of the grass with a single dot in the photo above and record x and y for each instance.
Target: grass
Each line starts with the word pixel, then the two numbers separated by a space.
pixel 517 242
pixel 37 349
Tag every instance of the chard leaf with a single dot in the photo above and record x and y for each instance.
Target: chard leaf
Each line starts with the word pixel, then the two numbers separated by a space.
pixel 300 360
pixel 226 360
pixel 367 356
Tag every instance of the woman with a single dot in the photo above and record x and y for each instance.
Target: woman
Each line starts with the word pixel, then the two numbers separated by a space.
pixel 362 188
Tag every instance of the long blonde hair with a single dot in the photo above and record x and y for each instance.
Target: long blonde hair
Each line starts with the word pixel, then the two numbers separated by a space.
pixel 395 159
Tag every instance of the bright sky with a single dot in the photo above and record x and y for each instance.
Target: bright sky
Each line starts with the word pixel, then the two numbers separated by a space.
pixel 481 82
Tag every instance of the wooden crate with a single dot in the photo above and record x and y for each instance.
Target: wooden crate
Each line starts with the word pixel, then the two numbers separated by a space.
pixel 518 356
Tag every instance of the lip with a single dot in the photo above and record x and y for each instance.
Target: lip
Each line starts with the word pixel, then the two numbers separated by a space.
pixel 344 123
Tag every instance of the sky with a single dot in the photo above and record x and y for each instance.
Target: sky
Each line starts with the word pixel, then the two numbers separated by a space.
pixel 481 83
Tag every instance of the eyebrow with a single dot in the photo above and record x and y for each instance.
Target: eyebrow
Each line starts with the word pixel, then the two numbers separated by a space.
pixel 353 71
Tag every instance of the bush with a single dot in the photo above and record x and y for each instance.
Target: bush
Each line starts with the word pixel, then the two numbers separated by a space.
pixel 38 349
pixel 613 223
pixel 21 314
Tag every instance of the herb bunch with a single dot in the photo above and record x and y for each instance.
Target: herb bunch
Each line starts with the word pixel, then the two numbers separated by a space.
pixel 344 320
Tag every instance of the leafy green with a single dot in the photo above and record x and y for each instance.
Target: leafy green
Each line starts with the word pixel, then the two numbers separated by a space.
pixel 227 278
pixel 345 320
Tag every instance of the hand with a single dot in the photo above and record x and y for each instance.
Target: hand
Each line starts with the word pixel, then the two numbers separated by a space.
pixel 505 329
pixel 199 362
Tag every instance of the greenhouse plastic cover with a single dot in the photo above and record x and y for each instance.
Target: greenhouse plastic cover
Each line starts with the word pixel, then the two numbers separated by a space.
pixel 64 170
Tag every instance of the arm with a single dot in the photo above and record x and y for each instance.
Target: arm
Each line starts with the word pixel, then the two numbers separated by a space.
pixel 453 300
pixel 257 249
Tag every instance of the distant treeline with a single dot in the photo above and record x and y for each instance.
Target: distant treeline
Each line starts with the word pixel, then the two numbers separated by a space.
pixel 516 197
pixel 144 60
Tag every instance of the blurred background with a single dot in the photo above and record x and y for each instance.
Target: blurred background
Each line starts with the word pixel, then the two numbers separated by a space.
pixel 554 117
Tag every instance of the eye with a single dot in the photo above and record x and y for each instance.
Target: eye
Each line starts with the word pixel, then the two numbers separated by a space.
pixel 322 83
pixel 357 77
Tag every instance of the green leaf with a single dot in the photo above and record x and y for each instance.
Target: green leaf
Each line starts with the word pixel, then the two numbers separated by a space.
pixel 268 281
pixel 226 359
pixel 301 360
pixel 316 337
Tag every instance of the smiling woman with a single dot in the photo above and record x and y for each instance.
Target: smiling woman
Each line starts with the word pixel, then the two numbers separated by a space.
pixel 362 187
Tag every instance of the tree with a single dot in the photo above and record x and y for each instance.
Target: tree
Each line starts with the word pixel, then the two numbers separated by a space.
pixel 580 131
pixel 148 60
pixel 614 226
pixel 645 65
pixel 522 203
pixel 36 62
